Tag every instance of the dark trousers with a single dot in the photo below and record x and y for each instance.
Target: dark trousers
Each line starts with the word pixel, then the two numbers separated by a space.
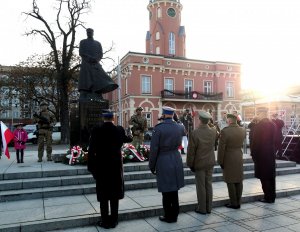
pixel 235 191
pixel 170 204
pixel 269 189
pixel 18 151
pixel 114 207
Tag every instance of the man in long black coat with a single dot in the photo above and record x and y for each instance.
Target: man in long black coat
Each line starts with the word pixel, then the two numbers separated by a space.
pixel 105 162
pixel 263 151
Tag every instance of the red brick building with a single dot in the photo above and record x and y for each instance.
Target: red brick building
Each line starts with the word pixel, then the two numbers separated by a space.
pixel 163 76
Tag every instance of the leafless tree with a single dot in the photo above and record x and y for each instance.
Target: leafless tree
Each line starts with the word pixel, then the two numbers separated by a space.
pixel 61 36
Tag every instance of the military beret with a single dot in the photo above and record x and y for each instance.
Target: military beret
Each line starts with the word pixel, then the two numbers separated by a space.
pixel 44 104
pixel 205 115
pixel 168 110
pixel 139 108
pixel 107 113
pixel 231 116
pixel 262 109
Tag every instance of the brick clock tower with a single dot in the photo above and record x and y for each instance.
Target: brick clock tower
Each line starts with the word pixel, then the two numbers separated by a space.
pixel 166 36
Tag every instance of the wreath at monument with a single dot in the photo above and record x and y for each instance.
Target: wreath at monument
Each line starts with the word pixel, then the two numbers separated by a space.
pixel 76 156
pixel 131 154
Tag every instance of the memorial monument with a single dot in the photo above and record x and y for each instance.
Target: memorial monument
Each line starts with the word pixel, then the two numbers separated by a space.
pixel 93 82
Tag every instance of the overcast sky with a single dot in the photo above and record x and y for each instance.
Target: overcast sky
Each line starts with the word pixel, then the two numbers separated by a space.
pixel 262 35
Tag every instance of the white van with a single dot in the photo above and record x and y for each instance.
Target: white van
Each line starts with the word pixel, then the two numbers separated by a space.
pixel 56 134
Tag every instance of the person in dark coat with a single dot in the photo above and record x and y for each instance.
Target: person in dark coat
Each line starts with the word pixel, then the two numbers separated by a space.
pixel 230 158
pixel 263 149
pixel 166 163
pixel 105 162
pixel 279 136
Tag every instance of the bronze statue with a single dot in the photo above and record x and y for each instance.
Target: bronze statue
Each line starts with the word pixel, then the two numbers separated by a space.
pixel 93 80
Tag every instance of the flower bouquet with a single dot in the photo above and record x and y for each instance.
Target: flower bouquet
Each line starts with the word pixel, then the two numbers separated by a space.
pixel 76 156
pixel 131 154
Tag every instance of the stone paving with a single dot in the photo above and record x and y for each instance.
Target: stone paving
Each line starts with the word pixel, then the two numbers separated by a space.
pixel 284 215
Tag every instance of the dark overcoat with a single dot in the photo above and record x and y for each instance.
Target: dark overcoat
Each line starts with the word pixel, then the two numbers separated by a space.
pixel 230 154
pixel 165 158
pixel 263 148
pixel 105 160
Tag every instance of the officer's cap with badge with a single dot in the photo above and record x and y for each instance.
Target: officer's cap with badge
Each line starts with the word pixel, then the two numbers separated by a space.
pixel 204 115
pixel 107 114
pixel 168 110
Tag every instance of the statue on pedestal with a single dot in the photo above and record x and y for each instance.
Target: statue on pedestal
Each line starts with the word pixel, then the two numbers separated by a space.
pixel 93 80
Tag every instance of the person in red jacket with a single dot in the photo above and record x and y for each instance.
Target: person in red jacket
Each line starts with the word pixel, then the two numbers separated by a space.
pixel 20 138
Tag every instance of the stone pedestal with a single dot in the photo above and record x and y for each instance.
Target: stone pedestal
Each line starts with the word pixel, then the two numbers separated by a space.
pixel 90 116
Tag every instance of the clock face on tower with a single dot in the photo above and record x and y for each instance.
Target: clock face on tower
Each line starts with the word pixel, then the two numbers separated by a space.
pixel 171 12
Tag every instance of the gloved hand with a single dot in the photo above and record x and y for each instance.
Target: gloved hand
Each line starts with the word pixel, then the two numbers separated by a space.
pixel 222 166
pixel 192 169
pixel 153 171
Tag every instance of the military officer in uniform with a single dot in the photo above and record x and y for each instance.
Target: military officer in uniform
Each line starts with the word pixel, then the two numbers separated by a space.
pixel 201 160
pixel 45 122
pixel 230 158
pixel 139 123
pixel 166 163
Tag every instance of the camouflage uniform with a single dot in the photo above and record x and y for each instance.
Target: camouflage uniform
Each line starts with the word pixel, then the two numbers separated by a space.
pixel 139 123
pixel 45 123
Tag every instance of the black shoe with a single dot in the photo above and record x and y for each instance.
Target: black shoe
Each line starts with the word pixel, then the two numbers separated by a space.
pixel 232 206
pixel 104 225
pixel 168 220
pixel 197 211
pixel 263 200
pixel 113 224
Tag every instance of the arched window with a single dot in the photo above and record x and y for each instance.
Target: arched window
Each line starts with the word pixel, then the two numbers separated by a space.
pixel 172 43
pixel 158 12
pixel 157 35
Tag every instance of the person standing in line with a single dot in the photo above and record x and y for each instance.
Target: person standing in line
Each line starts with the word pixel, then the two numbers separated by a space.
pixel 223 122
pixel 139 126
pixel 105 162
pixel 279 136
pixel 166 163
pixel 201 160
pixel 238 117
pixel 230 158
pixel 263 152
pixel 20 138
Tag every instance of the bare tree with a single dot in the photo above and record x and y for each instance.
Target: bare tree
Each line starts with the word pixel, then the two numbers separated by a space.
pixel 63 52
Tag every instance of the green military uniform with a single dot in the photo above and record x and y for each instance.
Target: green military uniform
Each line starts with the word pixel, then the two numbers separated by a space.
pixel 45 123
pixel 230 158
pixel 139 123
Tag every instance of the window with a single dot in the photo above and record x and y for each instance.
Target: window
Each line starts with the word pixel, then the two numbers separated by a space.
pixel 157 35
pixel 188 87
pixel 148 118
pixel 126 86
pixel 172 43
pixel 157 50
pixel 208 88
pixel 158 12
pixel 169 85
pixel 146 84
pixel 230 89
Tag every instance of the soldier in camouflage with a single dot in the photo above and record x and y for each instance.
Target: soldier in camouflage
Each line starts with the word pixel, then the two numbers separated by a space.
pixel 139 126
pixel 45 124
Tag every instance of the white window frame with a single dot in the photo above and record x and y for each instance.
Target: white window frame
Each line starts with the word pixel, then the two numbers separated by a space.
pixel 207 87
pixel 188 85
pixel 230 89
pixel 172 43
pixel 169 85
pixel 159 13
pixel 157 35
pixel 148 117
pixel 157 50
pixel 146 84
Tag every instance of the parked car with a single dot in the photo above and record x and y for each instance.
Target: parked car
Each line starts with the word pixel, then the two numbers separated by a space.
pixel 56 134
